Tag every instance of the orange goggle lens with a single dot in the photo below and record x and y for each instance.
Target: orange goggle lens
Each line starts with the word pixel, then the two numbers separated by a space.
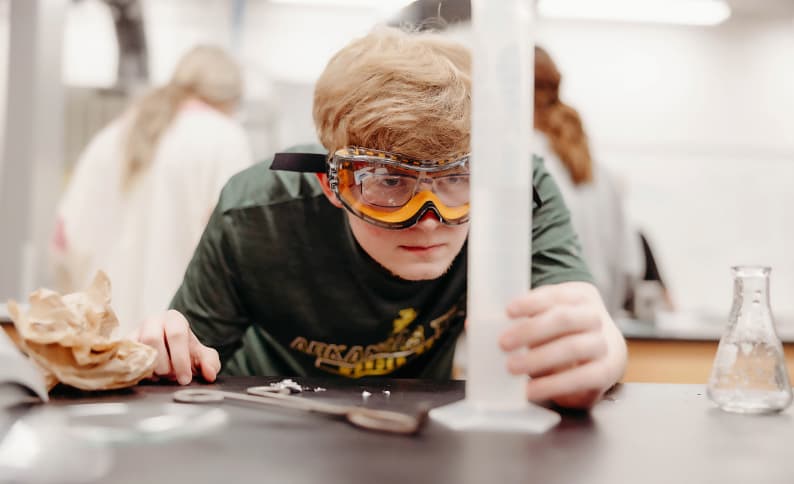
pixel 395 197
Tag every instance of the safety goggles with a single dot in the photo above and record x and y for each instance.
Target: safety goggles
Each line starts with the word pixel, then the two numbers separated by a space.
pixel 387 189
pixel 390 190
pixel 395 192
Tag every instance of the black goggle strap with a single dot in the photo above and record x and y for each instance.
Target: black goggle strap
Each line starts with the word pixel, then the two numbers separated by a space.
pixel 318 163
pixel 302 162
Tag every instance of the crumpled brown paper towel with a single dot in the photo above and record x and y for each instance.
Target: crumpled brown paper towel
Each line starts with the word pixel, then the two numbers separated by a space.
pixel 69 337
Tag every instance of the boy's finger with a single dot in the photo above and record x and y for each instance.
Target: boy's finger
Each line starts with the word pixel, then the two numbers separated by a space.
pixel 151 334
pixel 543 298
pixel 558 355
pixel 177 337
pixel 210 363
pixel 592 376
pixel 548 326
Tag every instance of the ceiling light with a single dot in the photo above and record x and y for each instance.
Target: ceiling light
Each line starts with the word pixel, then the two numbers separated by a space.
pixel 686 12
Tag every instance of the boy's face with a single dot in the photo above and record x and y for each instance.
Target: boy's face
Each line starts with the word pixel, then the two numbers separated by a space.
pixel 421 252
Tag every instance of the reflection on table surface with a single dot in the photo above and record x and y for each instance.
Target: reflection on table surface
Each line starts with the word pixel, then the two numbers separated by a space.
pixel 639 433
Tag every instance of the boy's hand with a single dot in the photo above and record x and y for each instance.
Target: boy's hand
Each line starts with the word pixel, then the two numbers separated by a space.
pixel 576 353
pixel 180 355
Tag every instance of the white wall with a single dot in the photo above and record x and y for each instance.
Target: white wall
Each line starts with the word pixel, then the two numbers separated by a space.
pixel 723 89
pixel 700 124
pixel 174 26
pixel 282 47
pixel 90 46
pixel 292 45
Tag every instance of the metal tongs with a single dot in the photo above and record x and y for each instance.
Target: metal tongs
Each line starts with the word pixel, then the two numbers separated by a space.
pixel 365 418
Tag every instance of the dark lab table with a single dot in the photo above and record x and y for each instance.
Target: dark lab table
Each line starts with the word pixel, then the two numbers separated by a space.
pixel 642 433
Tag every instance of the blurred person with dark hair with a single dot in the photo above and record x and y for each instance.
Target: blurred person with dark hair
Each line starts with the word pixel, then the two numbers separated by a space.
pixel 609 246
pixel 144 187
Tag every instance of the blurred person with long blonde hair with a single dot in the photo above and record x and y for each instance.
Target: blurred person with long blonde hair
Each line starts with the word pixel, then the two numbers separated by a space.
pixel 144 187
pixel 609 245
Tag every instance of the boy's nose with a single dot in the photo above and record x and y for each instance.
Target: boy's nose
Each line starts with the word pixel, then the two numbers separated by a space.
pixel 429 220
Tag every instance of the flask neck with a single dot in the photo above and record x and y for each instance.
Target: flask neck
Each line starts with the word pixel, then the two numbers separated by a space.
pixel 752 288
pixel 751 284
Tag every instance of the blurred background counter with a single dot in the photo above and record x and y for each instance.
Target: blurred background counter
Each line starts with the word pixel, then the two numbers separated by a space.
pixel 680 348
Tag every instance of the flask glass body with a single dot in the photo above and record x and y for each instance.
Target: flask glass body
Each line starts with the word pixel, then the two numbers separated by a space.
pixel 749 374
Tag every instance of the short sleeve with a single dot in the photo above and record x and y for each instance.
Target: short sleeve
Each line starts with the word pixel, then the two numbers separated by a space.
pixel 556 252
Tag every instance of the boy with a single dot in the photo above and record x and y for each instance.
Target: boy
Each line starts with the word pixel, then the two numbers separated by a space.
pixel 360 268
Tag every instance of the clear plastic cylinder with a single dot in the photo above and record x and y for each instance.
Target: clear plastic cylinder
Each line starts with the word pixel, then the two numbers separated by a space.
pixel 501 217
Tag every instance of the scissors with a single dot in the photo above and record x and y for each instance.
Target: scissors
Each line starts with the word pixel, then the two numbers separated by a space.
pixel 365 418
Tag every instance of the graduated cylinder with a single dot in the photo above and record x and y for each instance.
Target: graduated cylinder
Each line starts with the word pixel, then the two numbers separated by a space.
pixel 501 218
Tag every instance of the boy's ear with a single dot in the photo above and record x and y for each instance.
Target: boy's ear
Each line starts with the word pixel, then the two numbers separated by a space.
pixel 329 194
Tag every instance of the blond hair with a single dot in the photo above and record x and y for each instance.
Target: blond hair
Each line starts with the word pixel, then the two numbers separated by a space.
pixel 207 73
pixel 392 90
pixel 560 122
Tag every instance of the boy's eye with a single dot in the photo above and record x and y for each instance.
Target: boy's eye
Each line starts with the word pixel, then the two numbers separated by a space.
pixel 453 180
pixel 391 181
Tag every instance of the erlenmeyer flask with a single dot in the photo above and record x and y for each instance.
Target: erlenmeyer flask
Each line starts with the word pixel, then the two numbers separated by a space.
pixel 749 373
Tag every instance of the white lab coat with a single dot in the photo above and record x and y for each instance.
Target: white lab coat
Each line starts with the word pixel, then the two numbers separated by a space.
pixel 610 245
pixel 144 238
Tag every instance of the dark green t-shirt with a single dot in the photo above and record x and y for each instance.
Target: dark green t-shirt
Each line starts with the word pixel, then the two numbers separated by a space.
pixel 279 285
